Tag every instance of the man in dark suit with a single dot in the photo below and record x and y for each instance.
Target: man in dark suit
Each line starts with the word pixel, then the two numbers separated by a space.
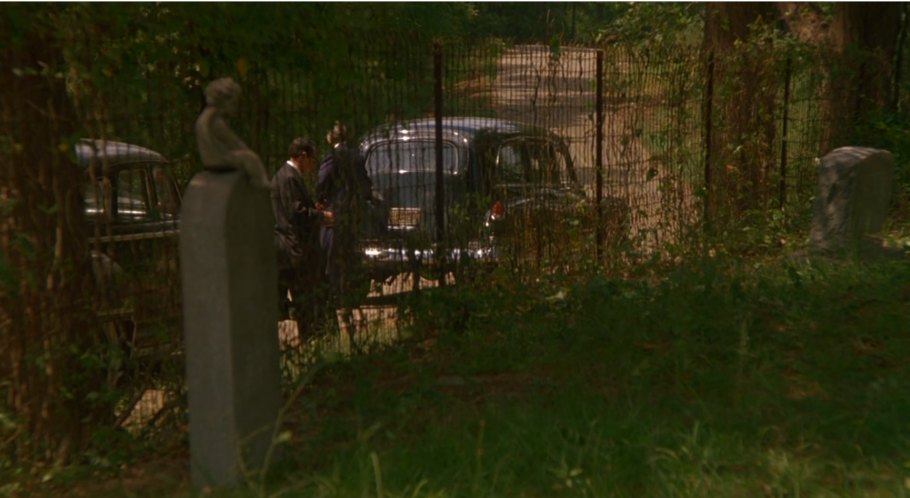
pixel 297 223
pixel 345 188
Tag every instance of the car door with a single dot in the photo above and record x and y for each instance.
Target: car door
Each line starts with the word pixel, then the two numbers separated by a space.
pixel 533 189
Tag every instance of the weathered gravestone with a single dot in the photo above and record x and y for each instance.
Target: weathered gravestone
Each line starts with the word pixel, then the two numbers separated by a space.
pixel 229 272
pixel 851 202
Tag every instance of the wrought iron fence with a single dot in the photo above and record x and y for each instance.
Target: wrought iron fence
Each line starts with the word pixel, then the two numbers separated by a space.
pixel 643 131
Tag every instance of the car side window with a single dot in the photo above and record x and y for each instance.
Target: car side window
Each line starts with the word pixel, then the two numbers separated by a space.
pixel 165 194
pixel 133 195
pixel 510 164
pixel 530 160
pixel 97 196
pixel 547 165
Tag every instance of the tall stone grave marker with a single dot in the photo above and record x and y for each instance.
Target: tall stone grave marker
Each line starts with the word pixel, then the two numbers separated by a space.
pixel 852 196
pixel 229 271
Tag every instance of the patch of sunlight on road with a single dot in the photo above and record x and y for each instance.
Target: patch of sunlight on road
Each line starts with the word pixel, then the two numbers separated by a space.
pixel 146 410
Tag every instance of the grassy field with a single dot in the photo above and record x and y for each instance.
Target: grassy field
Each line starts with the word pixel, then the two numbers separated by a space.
pixel 719 378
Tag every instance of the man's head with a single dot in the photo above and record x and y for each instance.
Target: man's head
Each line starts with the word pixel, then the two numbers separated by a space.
pixel 338 134
pixel 303 153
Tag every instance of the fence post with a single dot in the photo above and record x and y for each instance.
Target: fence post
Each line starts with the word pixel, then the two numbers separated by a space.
pixel 440 184
pixel 709 106
pixel 598 153
pixel 782 194
pixel 898 61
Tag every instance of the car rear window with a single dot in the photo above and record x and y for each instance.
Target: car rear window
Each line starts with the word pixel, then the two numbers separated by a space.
pixel 411 157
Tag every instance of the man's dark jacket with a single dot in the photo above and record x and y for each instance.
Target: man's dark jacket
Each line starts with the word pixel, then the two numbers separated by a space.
pixel 296 221
pixel 343 186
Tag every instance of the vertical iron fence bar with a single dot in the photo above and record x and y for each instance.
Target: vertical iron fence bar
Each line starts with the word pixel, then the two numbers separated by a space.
pixel 783 141
pixel 440 186
pixel 898 62
pixel 709 105
pixel 598 153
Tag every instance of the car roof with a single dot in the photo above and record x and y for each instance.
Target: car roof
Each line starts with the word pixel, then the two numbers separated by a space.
pixel 456 129
pixel 116 154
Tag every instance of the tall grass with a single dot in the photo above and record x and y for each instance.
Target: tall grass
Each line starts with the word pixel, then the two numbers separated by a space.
pixel 717 378
pixel 721 379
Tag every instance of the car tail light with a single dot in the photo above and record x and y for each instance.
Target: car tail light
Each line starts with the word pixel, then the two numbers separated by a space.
pixel 497 210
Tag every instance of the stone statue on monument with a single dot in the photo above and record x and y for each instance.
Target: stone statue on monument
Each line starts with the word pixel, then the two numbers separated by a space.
pixel 219 147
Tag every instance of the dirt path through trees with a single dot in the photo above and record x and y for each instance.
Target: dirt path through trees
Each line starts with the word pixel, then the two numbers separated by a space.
pixel 535 86
pixel 532 86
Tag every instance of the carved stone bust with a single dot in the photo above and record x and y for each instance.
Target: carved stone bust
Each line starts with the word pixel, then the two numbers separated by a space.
pixel 219 147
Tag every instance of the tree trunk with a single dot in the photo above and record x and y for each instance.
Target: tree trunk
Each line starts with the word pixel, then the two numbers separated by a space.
pixel 863 40
pixel 44 258
pixel 743 141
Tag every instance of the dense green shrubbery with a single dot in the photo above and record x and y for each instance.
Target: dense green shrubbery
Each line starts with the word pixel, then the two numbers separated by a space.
pixel 721 377
pixel 891 131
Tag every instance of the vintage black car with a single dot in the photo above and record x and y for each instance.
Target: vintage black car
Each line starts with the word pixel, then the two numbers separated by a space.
pixel 132 203
pixel 501 178
pixel 128 187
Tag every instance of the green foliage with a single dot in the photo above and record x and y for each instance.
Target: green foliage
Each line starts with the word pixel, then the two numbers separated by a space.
pixel 716 376
pixel 717 379
pixel 701 376
pixel 655 25
pixel 891 131
pixel 541 21
pixel 127 63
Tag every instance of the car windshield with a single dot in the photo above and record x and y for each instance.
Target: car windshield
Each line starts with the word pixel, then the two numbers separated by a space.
pixel 411 157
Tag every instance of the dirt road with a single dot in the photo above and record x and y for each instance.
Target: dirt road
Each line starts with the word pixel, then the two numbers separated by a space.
pixel 533 87
pixel 558 93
